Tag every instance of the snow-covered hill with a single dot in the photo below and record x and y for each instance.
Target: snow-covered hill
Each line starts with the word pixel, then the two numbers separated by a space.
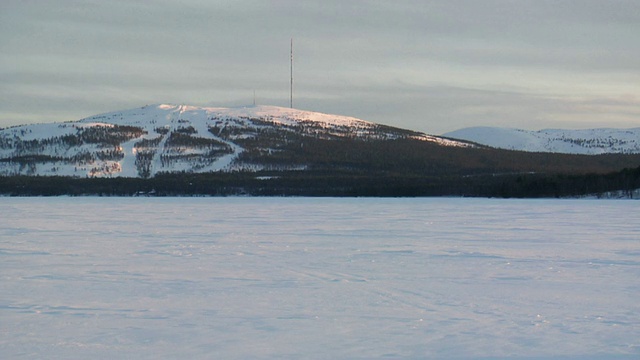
pixel 154 139
pixel 590 141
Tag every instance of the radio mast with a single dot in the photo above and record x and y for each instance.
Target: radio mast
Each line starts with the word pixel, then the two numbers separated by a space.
pixel 291 84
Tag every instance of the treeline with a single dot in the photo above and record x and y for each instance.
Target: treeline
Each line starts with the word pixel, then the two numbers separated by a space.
pixel 329 183
pixel 417 157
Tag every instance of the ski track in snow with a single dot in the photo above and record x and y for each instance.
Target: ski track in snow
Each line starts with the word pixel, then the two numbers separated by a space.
pixel 259 278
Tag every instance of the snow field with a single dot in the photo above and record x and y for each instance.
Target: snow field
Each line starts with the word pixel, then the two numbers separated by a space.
pixel 239 278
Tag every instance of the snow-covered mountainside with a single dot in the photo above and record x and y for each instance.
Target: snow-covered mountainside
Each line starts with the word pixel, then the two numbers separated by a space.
pixel 154 139
pixel 590 142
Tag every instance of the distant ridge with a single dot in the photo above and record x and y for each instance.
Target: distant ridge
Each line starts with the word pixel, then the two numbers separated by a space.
pixel 176 150
pixel 587 142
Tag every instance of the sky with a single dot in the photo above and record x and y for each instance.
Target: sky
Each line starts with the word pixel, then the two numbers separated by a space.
pixel 432 66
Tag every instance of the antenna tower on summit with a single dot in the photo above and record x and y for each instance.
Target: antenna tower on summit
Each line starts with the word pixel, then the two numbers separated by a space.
pixel 291 84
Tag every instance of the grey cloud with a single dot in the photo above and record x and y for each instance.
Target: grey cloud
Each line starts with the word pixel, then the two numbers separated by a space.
pixel 428 65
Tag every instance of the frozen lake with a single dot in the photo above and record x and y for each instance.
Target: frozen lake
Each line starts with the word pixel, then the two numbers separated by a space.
pixel 238 278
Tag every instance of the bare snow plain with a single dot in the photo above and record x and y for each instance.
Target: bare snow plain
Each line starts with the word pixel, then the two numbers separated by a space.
pixel 266 278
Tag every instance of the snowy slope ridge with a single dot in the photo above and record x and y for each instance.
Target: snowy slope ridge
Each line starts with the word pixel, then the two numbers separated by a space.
pixel 589 141
pixel 165 138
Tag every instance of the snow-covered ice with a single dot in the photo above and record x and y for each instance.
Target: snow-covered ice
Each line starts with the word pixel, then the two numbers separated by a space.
pixel 238 278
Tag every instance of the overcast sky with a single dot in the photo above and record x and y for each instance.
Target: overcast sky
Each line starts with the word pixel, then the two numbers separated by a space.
pixel 433 66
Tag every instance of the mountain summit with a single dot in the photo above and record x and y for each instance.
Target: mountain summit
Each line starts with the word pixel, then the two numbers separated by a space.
pixel 166 138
